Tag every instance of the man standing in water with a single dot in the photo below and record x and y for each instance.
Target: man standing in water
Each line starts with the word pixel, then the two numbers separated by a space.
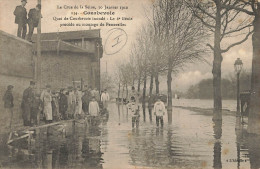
pixel 132 106
pixel 159 111
pixel 21 19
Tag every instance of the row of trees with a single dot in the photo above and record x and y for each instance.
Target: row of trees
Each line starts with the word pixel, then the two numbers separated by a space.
pixel 176 34
pixel 171 38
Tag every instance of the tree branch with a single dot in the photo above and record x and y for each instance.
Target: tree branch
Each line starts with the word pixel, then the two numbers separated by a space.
pixel 211 47
pixel 238 9
pixel 237 43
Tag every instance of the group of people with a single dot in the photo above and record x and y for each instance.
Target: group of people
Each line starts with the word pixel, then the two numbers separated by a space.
pixel 66 104
pixel 134 107
pixel 22 19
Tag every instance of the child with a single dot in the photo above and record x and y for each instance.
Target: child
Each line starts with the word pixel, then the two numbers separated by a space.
pixel 36 109
pixel 93 110
pixel 133 107
pixel 159 111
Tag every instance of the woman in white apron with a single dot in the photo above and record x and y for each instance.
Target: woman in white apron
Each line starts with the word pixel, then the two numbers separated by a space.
pixel 47 98
pixel 78 102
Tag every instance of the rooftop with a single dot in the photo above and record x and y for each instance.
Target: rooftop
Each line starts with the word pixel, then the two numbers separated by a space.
pixel 59 45
pixel 70 35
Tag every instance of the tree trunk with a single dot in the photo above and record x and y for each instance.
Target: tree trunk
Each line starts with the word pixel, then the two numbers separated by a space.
pixel 157 83
pixel 123 92
pixel 169 86
pixel 254 109
pixel 144 93
pixel 118 93
pixel 151 91
pixel 217 112
pixel 126 91
pixel 139 84
pixel 150 97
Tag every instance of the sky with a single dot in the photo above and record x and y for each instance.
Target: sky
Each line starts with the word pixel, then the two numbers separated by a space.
pixel 191 73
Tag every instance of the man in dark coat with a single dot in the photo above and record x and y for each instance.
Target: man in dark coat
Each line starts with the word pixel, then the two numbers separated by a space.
pixel 85 101
pixel 21 19
pixel 33 20
pixel 63 104
pixel 8 102
pixel 28 96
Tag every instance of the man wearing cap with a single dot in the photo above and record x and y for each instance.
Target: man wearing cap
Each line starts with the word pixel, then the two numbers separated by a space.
pixel 8 102
pixel 28 96
pixel 33 20
pixel 21 19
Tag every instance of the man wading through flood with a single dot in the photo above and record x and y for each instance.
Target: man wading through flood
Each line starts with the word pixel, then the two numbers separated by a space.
pixel 133 108
pixel 159 111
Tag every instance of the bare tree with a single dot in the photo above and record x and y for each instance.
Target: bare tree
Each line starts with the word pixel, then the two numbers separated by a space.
pixel 180 38
pixel 252 9
pixel 221 22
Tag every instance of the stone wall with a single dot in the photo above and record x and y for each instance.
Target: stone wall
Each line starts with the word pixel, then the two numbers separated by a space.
pixel 16 57
pixel 60 70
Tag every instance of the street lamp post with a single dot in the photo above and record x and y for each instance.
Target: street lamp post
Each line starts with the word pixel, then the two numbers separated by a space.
pixel 238 67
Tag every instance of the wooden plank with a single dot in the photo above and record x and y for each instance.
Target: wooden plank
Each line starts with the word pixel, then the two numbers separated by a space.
pixel 50 124
pixel 27 130
pixel 18 138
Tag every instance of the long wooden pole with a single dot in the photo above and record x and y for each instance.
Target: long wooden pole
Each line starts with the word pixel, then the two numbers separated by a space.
pixel 38 64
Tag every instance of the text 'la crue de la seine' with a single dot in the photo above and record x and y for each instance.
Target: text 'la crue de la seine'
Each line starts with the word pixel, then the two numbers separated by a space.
pixel 105 13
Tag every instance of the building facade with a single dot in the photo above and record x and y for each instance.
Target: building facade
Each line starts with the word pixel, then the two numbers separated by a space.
pixel 67 59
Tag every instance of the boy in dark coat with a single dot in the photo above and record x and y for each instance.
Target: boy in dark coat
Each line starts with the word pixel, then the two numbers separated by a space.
pixel 21 19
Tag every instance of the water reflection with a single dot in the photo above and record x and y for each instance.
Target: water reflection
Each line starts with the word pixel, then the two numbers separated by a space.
pixel 191 141
pixel 217 128
pixel 254 151
pixel 81 148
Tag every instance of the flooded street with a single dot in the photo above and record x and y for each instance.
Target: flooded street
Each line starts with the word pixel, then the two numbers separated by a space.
pixel 191 141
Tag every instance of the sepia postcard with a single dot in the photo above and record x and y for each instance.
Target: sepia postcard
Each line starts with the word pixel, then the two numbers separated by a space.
pixel 130 84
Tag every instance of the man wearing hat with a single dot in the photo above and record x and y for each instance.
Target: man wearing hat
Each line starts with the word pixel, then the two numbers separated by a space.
pixel 8 102
pixel 28 96
pixel 21 19
pixel 33 20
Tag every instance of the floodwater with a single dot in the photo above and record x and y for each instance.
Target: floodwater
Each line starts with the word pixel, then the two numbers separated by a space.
pixel 191 141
